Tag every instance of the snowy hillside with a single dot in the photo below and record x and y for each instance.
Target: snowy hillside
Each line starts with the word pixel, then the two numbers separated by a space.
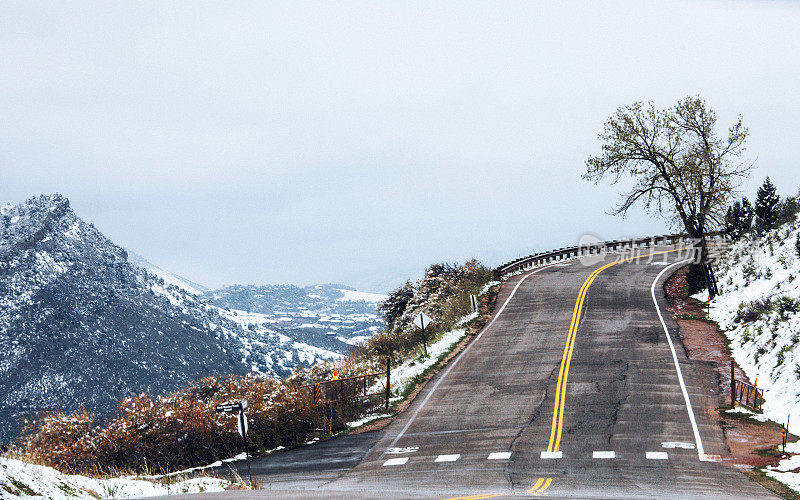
pixel 329 317
pixel 80 325
pixel 759 306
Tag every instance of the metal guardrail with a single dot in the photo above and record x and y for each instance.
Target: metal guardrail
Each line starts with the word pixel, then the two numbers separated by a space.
pixel 539 259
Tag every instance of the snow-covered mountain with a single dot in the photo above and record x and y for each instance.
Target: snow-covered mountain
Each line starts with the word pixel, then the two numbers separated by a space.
pixel 81 326
pixel 759 309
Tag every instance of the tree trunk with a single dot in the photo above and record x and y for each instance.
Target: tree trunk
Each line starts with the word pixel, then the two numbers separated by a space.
pixel 711 282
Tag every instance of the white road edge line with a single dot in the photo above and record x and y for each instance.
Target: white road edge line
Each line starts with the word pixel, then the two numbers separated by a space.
pixel 699 442
pixel 499 455
pixel 656 455
pixel 603 454
pixel 447 458
pixel 458 358
pixel 395 461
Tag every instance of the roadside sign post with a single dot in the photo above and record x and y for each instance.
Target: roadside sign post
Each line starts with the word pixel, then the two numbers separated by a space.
pixel 422 321
pixel 473 301
pixel 242 427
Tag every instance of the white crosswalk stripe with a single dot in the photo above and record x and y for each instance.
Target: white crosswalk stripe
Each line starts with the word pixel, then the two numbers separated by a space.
pixel 656 455
pixel 395 461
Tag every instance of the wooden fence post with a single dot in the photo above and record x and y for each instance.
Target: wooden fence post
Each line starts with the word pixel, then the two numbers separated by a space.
pixel 733 387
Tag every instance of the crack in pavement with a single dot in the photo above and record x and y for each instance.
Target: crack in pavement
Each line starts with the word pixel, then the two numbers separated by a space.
pixel 528 424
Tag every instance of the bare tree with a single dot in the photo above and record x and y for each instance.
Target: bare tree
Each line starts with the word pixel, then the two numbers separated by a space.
pixel 681 169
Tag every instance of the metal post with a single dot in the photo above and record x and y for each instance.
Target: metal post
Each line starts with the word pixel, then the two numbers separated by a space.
pixel 388 377
pixel 424 342
pixel 246 444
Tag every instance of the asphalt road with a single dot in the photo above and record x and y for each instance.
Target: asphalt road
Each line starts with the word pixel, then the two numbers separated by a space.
pixel 572 391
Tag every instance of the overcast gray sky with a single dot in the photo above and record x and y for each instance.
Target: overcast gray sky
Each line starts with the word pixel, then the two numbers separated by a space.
pixel 359 142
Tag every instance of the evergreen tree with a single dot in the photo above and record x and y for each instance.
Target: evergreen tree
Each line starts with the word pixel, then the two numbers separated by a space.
pixel 739 219
pixel 767 207
pixel 789 209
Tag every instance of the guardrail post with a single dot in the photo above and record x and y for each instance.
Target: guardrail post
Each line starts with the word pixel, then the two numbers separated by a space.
pixel 733 387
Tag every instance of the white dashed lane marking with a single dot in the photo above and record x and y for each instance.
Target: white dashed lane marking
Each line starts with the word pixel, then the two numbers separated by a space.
pixel 603 454
pixel 550 454
pixel 447 458
pixel 656 455
pixel 499 455
pixel 395 461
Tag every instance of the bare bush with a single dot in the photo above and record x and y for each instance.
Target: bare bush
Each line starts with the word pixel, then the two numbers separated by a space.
pixel 754 310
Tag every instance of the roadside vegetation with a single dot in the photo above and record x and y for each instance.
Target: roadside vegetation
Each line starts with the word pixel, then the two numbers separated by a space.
pixel 159 434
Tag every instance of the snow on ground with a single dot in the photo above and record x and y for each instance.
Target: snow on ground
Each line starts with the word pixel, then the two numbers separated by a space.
pixel 354 296
pixel 787 470
pixel 310 354
pixel 358 339
pixel 244 318
pixel 305 352
pixel 405 373
pixel 22 480
pixel 366 420
pixel 487 286
pixel 764 340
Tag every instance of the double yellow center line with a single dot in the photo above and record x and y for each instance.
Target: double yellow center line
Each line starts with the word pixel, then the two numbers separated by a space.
pixel 557 425
pixel 563 372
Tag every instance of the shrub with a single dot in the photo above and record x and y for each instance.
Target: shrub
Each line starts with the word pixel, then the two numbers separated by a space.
pixel 172 432
pixel 750 312
pixel 786 306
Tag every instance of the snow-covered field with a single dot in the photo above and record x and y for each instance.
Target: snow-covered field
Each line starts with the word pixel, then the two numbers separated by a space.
pixel 22 480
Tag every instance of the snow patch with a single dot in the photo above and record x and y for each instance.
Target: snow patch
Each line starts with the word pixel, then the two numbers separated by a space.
pixel 354 296
pixel 23 480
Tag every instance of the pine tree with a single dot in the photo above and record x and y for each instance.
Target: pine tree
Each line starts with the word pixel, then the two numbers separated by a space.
pixel 739 219
pixel 767 207
pixel 789 209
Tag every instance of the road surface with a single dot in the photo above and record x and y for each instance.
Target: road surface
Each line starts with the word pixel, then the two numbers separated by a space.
pixel 576 389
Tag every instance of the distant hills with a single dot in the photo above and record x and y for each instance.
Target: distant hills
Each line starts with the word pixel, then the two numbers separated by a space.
pixel 83 322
